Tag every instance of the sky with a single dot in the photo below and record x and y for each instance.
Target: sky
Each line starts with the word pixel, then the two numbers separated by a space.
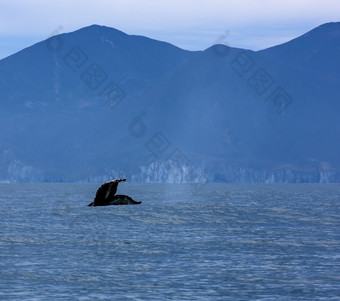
pixel 189 24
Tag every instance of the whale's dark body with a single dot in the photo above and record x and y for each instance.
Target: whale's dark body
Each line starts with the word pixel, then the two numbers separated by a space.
pixel 105 196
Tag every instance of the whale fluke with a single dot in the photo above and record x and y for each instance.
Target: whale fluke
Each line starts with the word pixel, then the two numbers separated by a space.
pixel 105 195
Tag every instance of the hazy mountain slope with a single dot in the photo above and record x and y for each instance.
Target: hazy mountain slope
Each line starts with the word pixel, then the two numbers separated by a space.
pixel 98 102
pixel 55 117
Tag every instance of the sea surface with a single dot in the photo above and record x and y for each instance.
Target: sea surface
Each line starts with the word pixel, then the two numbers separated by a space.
pixel 184 242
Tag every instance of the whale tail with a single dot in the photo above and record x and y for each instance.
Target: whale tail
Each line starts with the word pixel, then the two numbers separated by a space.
pixel 123 200
pixel 106 195
pixel 119 200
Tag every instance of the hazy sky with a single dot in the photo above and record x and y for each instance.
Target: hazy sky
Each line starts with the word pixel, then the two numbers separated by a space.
pixel 189 24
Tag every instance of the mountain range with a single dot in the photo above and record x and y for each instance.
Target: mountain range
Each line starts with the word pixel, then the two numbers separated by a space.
pixel 97 103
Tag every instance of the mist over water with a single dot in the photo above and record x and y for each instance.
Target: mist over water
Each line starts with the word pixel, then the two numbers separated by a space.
pixel 184 242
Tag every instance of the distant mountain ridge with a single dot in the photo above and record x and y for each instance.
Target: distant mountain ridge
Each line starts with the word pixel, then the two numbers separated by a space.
pixel 98 103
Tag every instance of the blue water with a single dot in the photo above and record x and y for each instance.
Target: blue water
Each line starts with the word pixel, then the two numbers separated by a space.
pixel 185 242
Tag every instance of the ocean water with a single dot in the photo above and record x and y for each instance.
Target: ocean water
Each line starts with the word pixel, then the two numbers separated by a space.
pixel 184 242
